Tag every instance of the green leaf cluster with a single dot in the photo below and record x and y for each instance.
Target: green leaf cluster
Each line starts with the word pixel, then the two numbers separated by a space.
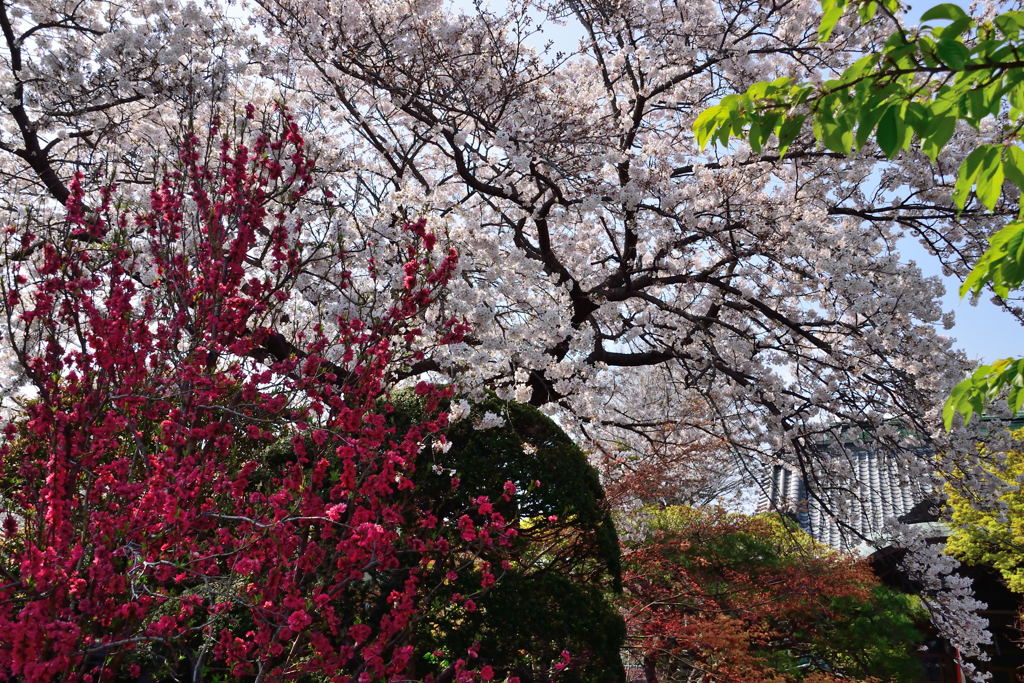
pixel 833 11
pixel 1002 265
pixel 916 88
pixel 985 385
pixel 767 108
pixel 563 568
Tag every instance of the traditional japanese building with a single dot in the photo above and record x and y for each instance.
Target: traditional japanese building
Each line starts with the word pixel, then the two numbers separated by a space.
pixel 884 491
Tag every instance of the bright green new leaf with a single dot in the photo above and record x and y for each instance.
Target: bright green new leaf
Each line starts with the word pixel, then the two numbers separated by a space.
pixel 967 174
pixel 951 407
pixel 866 11
pixel 990 178
pixel 788 131
pixel 1013 165
pixel 1001 261
pixel 947 11
pixel 893 134
pixel 836 136
pixel 833 12
pixel 707 123
pixel 953 30
pixel 870 114
pixel 1010 24
pixel 859 68
pixel 757 135
pixel 1015 94
pixel 918 118
pixel 941 129
pixel 952 53
pixel 983 386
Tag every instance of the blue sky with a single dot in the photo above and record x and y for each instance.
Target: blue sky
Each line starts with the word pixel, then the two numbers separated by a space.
pixel 984 331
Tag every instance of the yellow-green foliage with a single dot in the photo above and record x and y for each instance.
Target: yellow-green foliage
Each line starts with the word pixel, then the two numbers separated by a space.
pixel 782 535
pixel 992 531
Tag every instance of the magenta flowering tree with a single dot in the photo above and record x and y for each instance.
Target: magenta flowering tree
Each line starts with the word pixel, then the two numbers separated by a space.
pixel 189 485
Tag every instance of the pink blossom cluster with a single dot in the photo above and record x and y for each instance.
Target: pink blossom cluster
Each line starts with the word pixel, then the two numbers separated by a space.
pixel 185 479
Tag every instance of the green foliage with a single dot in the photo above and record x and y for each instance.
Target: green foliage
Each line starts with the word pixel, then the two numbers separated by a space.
pixel 991 531
pixel 521 626
pixel 1002 265
pixel 553 593
pixel 984 385
pixel 833 11
pixel 916 88
pixel 755 598
pixel 878 636
pixel 971 69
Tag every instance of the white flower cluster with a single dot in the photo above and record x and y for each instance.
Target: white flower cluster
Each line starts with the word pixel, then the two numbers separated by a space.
pixel 947 595
pixel 489 420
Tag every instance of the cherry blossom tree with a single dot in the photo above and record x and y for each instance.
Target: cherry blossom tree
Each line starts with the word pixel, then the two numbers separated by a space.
pixel 612 270
pixel 609 267
pixel 86 84
pixel 917 88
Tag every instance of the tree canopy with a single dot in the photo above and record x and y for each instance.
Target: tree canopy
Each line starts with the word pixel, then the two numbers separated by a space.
pixel 551 589
pixel 914 91
pixel 610 269
pixel 752 598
